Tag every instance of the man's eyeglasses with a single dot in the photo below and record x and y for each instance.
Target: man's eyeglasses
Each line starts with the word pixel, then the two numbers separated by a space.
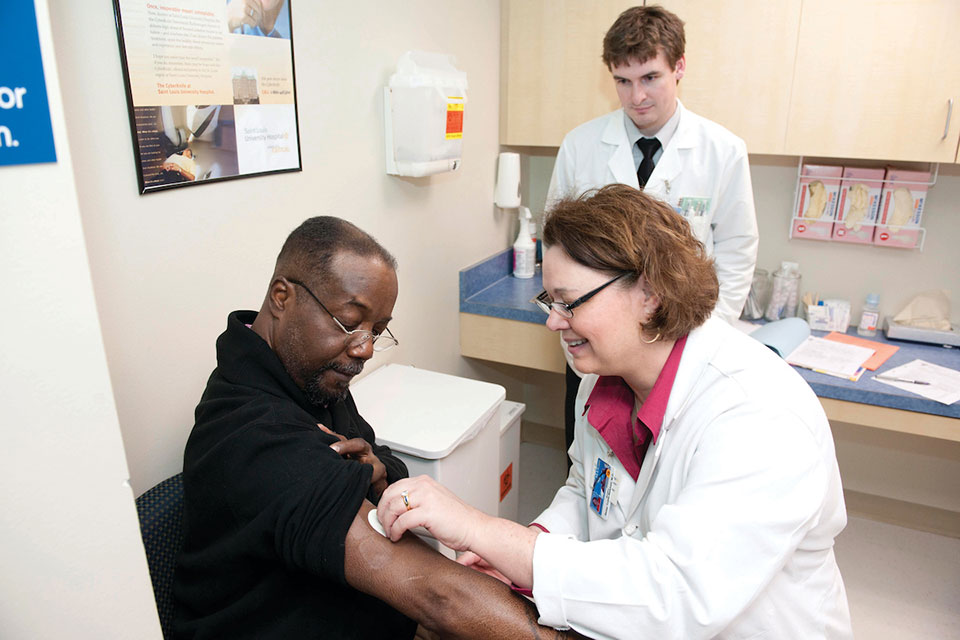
pixel 357 337
pixel 566 310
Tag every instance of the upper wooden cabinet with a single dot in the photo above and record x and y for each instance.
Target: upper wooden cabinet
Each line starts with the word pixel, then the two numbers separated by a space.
pixel 551 74
pixel 874 80
pixel 552 77
pixel 835 78
pixel 740 58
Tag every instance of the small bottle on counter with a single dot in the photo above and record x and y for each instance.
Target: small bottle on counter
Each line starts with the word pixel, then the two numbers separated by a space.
pixel 524 249
pixel 870 317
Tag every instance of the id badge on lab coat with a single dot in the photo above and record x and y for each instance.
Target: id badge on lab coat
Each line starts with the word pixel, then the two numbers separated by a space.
pixel 696 211
pixel 605 485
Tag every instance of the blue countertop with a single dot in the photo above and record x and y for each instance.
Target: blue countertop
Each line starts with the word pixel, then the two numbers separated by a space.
pixel 869 391
pixel 488 288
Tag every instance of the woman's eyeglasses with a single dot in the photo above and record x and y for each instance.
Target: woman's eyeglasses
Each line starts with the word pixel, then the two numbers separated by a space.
pixel 564 309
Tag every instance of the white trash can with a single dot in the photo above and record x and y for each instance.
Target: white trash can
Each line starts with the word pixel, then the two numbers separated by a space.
pixel 440 425
pixel 510 414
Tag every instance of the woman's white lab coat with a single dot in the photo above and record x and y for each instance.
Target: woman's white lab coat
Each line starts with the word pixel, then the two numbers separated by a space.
pixel 703 172
pixel 728 531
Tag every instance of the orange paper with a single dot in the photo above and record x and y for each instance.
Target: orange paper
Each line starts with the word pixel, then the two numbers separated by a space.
pixel 881 351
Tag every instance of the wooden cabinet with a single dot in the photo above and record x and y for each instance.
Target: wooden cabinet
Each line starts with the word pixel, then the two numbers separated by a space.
pixel 551 74
pixel 552 77
pixel 740 60
pixel 874 79
pixel 833 78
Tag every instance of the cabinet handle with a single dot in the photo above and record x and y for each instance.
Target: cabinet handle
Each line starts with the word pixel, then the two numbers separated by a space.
pixel 946 127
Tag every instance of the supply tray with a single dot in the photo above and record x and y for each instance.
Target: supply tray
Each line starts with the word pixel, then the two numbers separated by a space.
pixel 796 220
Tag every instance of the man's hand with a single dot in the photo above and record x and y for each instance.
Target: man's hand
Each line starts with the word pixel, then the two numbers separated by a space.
pixel 360 450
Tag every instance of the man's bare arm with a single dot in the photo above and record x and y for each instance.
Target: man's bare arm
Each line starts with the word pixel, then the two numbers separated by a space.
pixel 443 596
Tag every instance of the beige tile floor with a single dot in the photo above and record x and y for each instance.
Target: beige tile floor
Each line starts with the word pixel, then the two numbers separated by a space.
pixel 901 584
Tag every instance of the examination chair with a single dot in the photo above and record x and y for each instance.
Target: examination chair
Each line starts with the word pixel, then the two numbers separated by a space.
pixel 160 510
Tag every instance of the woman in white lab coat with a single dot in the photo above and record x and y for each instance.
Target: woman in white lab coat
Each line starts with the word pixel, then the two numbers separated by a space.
pixel 704 495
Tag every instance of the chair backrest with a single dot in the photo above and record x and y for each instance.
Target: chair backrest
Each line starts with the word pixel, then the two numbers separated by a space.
pixel 161 516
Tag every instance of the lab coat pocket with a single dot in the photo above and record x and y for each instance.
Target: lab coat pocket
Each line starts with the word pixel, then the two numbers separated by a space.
pixel 700 225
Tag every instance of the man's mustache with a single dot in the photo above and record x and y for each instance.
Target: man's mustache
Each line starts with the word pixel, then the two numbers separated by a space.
pixel 351 369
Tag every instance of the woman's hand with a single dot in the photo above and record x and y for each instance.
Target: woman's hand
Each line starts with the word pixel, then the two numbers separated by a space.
pixel 422 502
pixel 506 548
pixel 475 562
pixel 240 12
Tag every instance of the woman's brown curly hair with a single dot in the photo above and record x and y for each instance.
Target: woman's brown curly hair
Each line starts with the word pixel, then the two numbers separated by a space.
pixel 618 229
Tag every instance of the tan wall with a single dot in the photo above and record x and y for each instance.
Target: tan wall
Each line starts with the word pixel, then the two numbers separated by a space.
pixel 167 267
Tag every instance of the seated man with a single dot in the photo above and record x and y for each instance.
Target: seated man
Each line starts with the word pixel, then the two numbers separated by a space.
pixel 280 472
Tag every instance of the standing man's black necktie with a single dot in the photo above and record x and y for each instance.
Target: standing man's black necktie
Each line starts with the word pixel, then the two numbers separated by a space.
pixel 648 147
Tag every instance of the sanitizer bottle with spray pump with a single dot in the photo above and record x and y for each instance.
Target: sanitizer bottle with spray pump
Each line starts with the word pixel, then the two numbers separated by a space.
pixel 524 249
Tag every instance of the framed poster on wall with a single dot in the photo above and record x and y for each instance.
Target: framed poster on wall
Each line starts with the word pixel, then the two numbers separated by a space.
pixel 210 89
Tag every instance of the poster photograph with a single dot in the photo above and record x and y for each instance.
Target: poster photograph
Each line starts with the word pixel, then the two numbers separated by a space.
pixel 210 88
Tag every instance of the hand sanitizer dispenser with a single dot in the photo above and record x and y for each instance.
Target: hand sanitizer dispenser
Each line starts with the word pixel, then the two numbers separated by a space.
pixel 423 109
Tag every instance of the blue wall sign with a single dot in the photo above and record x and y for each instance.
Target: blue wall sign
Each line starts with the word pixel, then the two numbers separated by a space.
pixel 26 136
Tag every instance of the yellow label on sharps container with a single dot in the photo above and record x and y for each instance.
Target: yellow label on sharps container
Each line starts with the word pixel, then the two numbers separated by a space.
pixel 454 120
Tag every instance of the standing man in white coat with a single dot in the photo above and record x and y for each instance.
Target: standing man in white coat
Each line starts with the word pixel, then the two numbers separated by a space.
pixel 655 144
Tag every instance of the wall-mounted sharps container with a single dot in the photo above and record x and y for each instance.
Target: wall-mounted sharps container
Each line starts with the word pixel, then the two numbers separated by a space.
pixel 423 108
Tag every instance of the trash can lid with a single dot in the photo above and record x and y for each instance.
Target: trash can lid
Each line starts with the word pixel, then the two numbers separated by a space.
pixel 424 413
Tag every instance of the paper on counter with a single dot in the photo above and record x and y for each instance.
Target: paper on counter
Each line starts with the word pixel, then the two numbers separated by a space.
pixel 944 384
pixel 883 351
pixel 830 357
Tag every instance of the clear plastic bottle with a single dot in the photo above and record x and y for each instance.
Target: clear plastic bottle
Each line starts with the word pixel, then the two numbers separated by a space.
pixel 524 249
pixel 758 297
pixel 786 292
pixel 870 317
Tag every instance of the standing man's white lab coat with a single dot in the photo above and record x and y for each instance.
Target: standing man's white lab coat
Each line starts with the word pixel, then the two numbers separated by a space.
pixel 728 530
pixel 703 172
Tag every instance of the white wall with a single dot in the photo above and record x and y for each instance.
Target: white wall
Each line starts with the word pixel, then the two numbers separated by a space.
pixel 167 267
pixel 72 561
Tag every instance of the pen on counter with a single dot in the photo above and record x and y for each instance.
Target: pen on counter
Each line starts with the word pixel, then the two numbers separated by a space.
pixel 891 379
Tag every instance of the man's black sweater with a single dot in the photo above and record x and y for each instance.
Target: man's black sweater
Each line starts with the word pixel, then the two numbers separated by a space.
pixel 267 505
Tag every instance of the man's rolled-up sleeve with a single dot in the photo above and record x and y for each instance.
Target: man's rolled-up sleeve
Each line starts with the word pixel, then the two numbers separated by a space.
pixel 396 469
pixel 292 487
